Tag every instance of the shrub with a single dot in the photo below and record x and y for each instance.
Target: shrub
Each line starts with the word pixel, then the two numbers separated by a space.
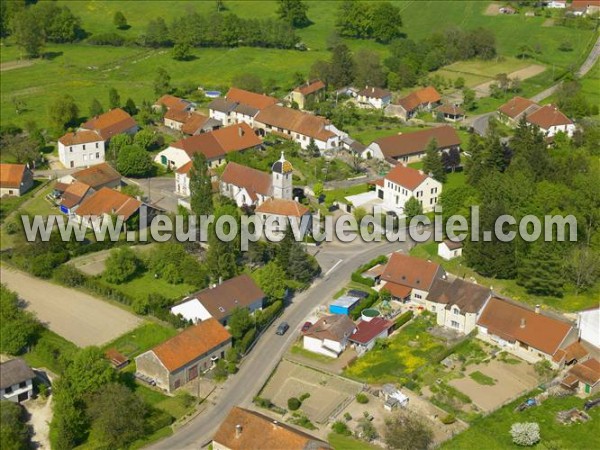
pixel 69 276
pixel 293 403
pixel 247 340
pixel 403 318
pixel 525 434
pixel 347 416
pixel 448 419
pixel 304 396
pixel 358 278
pixel 262 402
pixel 340 427
pixel 362 398
pixel 114 39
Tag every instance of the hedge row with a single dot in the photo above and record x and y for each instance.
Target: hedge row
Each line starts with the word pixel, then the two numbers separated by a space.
pixel 403 318
pixel 365 303
pixel 357 275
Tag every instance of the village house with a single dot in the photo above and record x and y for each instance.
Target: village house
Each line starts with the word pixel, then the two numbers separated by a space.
pixel 81 149
pixel 410 147
pixel 511 112
pixel 170 102
pixel 373 97
pixel 450 113
pixel 219 301
pixel 281 212
pixel 329 335
pixel 15 179
pixel 585 7
pixel 116 121
pixel 588 324
pixel 409 279
pixel 106 203
pixel 310 91
pixel 215 145
pixel 448 249
pixel 299 126
pixel 243 429
pixel 368 331
pixel 401 183
pixel 425 99
pixel 458 304
pixel 583 377
pixel 16 381
pixel 182 180
pixel 239 106
pixel 96 177
pixel 182 358
pixel 353 146
pixel 190 123
pixel 528 334
pixel 557 4
pixel 551 121
pixel 72 195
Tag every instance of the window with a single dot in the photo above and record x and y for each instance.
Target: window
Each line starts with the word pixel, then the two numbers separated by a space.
pixel 455 311
pixel 84 146
pixel 8 390
pixel 96 145
pixel 23 384
pixel 419 296
pixel 97 155
pixel 454 324
pixel 70 149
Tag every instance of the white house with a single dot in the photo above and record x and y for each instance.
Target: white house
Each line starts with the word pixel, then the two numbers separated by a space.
pixel 368 331
pixel 374 97
pixel 329 335
pixel 16 381
pixel 449 249
pixel 551 121
pixel 557 4
pixel 15 179
pixel 81 149
pixel 113 122
pixel 588 323
pixel 239 106
pixel 402 183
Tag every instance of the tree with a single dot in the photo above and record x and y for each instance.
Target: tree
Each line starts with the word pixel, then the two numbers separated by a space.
pixel 18 328
pixel 182 51
pixel 121 265
pixel 385 22
pixel 200 186
pixel 14 432
pixel 312 149
pixel 248 82
pixel 58 24
pixel 117 414
pixel 525 434
pixel 157 33
pixel 451 159
pixel 239 322
pixel 369 71
pixel 407 432
pixel 582 267
pixel 468 99
pixel 321 70
pixel 293 12
pixel 272 280
pixel 459 83
pixel 130 107
pixel 222 257
pixel 341 67
pixel 88 372
pixel 120 21
pixel 145 138
pixel 118 142
pixel 134 161
pixel 114 99
pixel 412 208
pixel 162 82
pixel 24 149
pixel 96 108
pixel 26 32
pixel 432 162
pixel 63 111
pixel 546 278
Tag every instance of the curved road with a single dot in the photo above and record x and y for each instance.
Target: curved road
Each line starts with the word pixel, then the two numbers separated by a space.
pixel 240 388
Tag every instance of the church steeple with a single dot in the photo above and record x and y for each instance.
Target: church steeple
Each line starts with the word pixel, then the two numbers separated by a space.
pixel 282 178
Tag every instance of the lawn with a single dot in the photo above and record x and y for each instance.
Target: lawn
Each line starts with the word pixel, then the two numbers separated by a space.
pixel 482 378
pixel 10 204
pixel 334 195
pixel 40 205
pixel 298 349
pixel 145 284
pixel 570 302
pixel 368 134
pixel 142 339
pixel 339 442
pixel 86 71
pixel 492 432
pixel 476 72
pixel 47 352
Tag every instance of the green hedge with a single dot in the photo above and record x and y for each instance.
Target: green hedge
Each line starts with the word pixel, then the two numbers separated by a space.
pixel 357 275
pixel 364 304
pixel 358 278
pixel 403 318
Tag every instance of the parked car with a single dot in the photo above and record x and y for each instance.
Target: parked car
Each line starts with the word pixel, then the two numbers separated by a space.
pixel 282 328
pixel 306 326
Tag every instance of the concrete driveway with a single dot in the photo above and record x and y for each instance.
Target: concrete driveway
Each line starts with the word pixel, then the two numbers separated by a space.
pixel 160 191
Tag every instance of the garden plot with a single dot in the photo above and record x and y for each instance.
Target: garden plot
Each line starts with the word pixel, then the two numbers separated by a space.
pixel 327 392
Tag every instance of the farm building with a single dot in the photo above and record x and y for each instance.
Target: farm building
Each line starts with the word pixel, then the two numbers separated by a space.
pixel 15 179
pixel 449 249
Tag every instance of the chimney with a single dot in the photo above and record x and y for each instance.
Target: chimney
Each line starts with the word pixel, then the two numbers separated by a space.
pixel 238 431
pixel 240 131
pixel 537 309
pixel 523 322
pixel 220 280
pixel 275 424
pixel 373 89
pixel 421 172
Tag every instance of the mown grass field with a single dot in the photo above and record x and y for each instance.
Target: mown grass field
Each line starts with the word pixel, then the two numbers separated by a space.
pixel 86 71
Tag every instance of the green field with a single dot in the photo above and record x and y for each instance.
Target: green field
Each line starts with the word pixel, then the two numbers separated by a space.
pixel 142 339
pixel 339 442
pixel 476 71
pixel 86 71
pixel 492 432
pixel 145 284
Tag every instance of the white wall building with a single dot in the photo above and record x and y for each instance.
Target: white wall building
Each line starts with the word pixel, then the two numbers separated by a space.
pixel 16 381
pixel 588 322
pixel 449 249
pixel 329 335
pixel 81 149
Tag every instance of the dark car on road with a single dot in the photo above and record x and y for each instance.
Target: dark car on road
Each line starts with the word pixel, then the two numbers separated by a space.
pixel 306 326
pixel 282 328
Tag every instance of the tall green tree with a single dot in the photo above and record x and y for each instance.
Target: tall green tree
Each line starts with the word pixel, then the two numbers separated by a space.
pixel 412 208
pixel 120 21
pixel 475 165
pixel 341 67
pixel 369 71
pixel 407 432
pixel 541 272
pixel 385 22
pixel 293 12
pixel 222 256
pixel 239 322
pixel 25 30
pixel 130 107
pixel 95 108
pixel 18 328
pixel 121 265
pixel 134 161
pixel 162 82
pixel 63 111
pixel 201 200
pixel 271 279
pixel 432 162
pixel 14 432
pixel 114 99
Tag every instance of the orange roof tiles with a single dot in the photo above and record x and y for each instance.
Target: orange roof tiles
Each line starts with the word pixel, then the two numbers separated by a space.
pixel 108 201
pixel 248 430
pixel 11 175
pixel 254 181
pixel 257 101
pixel 336 327
pixel 587 372
pixel 517 106
pixel 280 207
pixel 80 137
pixel 452 110
pixel 74 193
pixel 413 272
pixel 548 116
pixel 367 331
pixel 218 143
pixel 310 88
pixel 411 143
pixel 406 176
pixel 193 123
pixel 421 97
pixel 298 121
pixel 172 102
pixel 191 343
pixel 98 175
pixel 515 322
pixel 111 123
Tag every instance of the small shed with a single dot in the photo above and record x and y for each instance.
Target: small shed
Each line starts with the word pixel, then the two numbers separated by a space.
pixel 449 249
pixel 392 397
pixel 344 305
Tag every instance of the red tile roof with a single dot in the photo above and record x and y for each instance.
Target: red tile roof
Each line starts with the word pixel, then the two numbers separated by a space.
pixel 11 175
pixel 413 143
pixel 548 116
pixel 281 207
pixel 397 290
pixel 406 177
pixel 374 92
pixel 248 430
pixel 310 88
pixel 413 272
pixel 511 322
pixel 98 175
pixel 367 331
pixel 74 193
pixel 254 181
pixel 300 122
pixel 218 143
pixel 108 201
pixel 80 137
pixel 517 106
pixel 172 102
pixel 191 343
pixel 257 101
pixel 336 328
pixel 584 4
pixel 193 123
pixel 421 97
pixel 451 110
pixel 111 123
pixel 587 372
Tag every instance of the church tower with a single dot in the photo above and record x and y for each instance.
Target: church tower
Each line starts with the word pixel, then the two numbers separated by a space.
pixel 282 178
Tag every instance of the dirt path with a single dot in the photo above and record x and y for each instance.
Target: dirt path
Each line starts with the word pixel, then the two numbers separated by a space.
pixel 11 65
pixel 78 317
pixel 483 90
pixel 41 416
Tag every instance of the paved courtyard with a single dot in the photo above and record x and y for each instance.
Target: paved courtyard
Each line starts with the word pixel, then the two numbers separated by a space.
pixel 78 317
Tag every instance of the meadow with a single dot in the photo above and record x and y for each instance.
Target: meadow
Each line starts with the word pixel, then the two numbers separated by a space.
pixel 86 72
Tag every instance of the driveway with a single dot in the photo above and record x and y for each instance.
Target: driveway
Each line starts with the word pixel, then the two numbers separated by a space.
pixel 160 191
pixel 78 317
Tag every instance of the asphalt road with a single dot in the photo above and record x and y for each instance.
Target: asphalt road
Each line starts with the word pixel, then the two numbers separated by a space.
pixel 339 261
